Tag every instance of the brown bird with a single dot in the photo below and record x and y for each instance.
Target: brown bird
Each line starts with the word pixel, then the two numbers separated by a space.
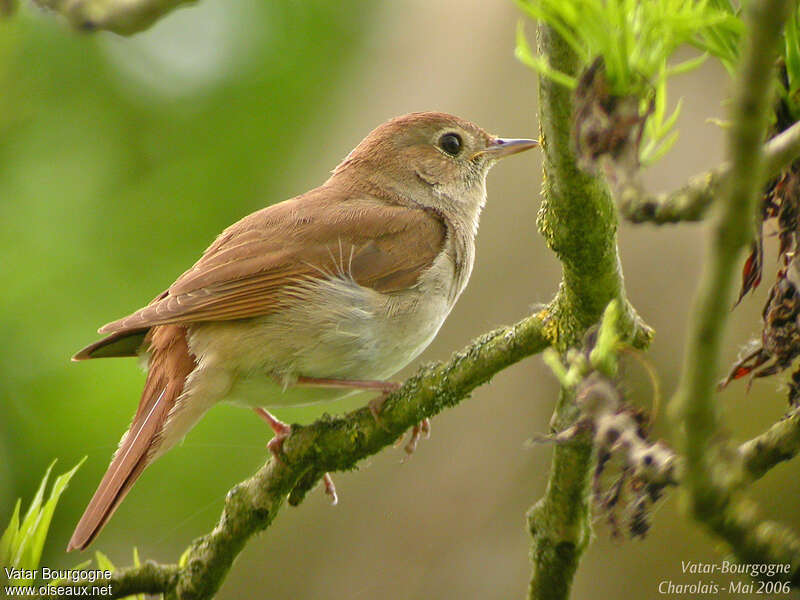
pixel 303 301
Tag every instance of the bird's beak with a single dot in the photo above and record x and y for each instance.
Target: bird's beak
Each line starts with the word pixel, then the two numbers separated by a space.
pixel 500 147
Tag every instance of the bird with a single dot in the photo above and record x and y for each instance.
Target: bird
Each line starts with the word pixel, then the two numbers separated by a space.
pixel 331 291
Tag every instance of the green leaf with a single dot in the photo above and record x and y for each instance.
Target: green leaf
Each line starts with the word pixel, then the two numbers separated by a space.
pixel 103 562
pixel 670 122
pixel 659 104
pixel 603 356
pixel 526 56
pixel 552 359
pixel 687 65
pixel 660 150
pixel 184 557
pixel 79 567
pixel 137 563
pixel 540 14
pixel 21 549
pixel 36 503
pixel 721 123
pixel 22 543
pixel 46 515
pixel 8 537
pixel 635 40
pixel 792 54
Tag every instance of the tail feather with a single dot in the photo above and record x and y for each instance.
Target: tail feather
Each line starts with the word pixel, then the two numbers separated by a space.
pixel 170 364
pixel 122 343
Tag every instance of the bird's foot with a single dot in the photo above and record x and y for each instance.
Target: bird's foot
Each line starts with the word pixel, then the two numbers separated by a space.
pixel 275 446
pixel 281 430
pixel 330 489
pixel 376 404
pixel 420 429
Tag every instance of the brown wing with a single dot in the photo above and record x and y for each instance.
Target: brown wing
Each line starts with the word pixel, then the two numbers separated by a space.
pixel 246 271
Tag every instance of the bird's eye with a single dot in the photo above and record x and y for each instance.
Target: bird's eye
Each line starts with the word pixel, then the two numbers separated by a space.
pixel 450 143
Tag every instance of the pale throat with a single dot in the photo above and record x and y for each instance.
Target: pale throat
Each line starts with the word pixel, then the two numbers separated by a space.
pixel 463 202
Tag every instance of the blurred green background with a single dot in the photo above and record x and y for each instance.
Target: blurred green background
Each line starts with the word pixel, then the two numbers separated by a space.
pixel 121 159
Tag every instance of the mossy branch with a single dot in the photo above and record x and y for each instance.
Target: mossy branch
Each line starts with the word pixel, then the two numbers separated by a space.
pixel 713 468
pixel 779 443
pixel 691 201
pixel 579 223
pixel 330 444
pixel 759 455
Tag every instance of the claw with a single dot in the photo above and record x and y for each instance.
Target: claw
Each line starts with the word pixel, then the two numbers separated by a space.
pixel 376 407
pixel 376 404
pixel 411 446
pixel 330 489
pixel 275 446
pixel 425 426
pixel 420 429
pixel 281 430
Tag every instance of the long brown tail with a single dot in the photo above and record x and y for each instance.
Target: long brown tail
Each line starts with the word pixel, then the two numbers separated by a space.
pixel 170 365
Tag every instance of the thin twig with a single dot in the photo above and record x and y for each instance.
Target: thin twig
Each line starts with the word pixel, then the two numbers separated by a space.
pixel 691 201
pixel 759 455
pixel 712 466
pixel 779 443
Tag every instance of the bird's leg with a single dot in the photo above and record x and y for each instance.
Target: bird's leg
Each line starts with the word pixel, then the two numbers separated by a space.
pixel 281 430
pixel 375 405
pixel 275 446
pixel 385 387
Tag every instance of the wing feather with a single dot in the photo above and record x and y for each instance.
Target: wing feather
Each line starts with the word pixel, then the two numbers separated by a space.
pixel 254 266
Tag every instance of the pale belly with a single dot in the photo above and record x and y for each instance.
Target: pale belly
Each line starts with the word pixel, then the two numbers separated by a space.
pixel 340 331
